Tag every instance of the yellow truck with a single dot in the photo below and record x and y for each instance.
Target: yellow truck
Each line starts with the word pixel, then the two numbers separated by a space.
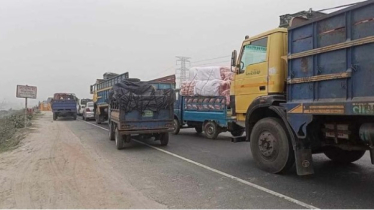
pixel 305 90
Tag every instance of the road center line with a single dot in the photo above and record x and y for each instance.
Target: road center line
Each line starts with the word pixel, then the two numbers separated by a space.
pixel 292 200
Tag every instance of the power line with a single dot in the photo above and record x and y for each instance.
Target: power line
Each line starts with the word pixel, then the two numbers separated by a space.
pixel 211 59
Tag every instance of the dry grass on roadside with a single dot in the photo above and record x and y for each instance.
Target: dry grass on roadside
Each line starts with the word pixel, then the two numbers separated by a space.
pixel 12 129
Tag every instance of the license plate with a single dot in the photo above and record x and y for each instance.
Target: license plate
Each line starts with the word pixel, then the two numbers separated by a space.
pixel 148 113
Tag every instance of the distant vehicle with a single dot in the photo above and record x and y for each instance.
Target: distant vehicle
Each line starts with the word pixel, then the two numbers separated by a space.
pixel 88 111
pixel 82 105
pixel 64 105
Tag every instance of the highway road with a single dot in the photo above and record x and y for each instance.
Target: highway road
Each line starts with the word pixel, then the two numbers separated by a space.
pixel 203 173
pixel 73 164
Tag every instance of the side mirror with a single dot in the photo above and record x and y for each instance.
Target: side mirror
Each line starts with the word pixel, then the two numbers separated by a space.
pixel 233 58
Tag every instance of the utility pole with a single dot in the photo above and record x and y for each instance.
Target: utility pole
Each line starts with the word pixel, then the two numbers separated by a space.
pixel 183 71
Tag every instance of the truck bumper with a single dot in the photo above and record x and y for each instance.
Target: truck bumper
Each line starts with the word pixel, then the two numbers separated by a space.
pixel 127 132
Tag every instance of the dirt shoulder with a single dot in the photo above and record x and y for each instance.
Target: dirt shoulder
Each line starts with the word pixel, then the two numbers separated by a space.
pixel 52 169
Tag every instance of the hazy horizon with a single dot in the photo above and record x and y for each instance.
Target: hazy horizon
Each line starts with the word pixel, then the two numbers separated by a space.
pixel 64 46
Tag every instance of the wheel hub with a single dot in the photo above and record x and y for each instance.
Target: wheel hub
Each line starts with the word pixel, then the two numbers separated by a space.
pixel 210 130
pixel 266 143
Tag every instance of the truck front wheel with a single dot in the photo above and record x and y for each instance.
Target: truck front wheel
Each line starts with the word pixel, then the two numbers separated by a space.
pixel 119 139
pixel 111 131
pixel 270 147
pixel 344 156
pixel 177 126
pixel 97 119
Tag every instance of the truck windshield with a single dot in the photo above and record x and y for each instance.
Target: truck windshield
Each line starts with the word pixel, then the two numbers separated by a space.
pixel 254 53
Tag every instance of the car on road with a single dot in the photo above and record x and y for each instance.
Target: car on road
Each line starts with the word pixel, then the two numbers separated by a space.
pixel 88 112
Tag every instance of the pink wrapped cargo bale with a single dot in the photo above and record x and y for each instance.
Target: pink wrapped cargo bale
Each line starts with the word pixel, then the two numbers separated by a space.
pixel 209 73
pixel 188 88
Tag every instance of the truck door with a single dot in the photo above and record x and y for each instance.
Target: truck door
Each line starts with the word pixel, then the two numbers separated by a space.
pixel 251 80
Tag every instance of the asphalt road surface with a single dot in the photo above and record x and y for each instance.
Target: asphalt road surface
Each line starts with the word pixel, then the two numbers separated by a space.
pixel 332 186
pixel 73 164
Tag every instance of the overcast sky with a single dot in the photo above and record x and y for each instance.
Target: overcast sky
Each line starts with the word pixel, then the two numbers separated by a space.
pixel 64 45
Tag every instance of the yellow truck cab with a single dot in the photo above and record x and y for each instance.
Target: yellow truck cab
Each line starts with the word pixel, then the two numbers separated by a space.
pixel 260 71
pixel 257 91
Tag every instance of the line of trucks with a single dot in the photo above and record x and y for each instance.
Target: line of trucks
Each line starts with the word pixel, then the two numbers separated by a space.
pixel 306 87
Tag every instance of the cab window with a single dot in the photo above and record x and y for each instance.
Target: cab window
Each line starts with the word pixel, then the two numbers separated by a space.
pixel 253 53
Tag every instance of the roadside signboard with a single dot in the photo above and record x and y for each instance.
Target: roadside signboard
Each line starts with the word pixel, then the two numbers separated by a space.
pixel 25 91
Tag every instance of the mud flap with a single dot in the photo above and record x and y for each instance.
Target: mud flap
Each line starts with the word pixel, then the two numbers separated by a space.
pixel 372 155
pixel 304 161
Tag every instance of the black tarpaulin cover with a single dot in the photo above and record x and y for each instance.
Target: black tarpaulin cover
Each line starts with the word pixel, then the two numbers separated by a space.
pixel 135 95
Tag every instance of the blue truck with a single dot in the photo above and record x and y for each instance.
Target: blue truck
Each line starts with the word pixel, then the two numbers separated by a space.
pixel 64 105
pixel 204 113
pixel 308 89
pixel 139 108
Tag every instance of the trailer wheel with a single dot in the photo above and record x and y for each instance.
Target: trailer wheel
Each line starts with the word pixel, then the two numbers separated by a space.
pixel 164 139
pixel 111 131
pixel 177 126
pixel 199 129
pixel 54 116
pixel 211 130
pixel 344 156
pixel 270 147
pixel 97 119
pixel 237 132
pixel 119 139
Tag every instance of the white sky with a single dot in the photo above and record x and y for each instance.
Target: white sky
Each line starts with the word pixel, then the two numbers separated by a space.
pixel 64 45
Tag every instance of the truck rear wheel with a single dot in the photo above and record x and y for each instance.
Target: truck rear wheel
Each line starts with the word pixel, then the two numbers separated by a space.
pixel 177 126
pixel 75 116
pixel 54 116
pixel 344 156
pixel 164 139
pixel 270 147
pixel 211 130
pixel 119 139
pixel 111 131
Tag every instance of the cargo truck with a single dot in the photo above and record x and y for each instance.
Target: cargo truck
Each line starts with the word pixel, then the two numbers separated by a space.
pixel 308 89
pixel 204 113
pixel 138 108
pixel 64 105
pixel 100 91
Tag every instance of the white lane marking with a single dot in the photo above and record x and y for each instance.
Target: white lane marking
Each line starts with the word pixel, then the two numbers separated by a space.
pixel 285 197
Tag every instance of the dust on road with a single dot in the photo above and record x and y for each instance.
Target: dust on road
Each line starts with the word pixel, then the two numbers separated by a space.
pixel 52 169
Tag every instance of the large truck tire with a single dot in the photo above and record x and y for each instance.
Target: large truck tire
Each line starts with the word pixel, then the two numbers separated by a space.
pixel 270 146
pixel 344 156
pixel 211 130
pixel 177 126
pixel 111 131
pixel 54 116
pixel 119 140
pixel 164 139
pixel 75 116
